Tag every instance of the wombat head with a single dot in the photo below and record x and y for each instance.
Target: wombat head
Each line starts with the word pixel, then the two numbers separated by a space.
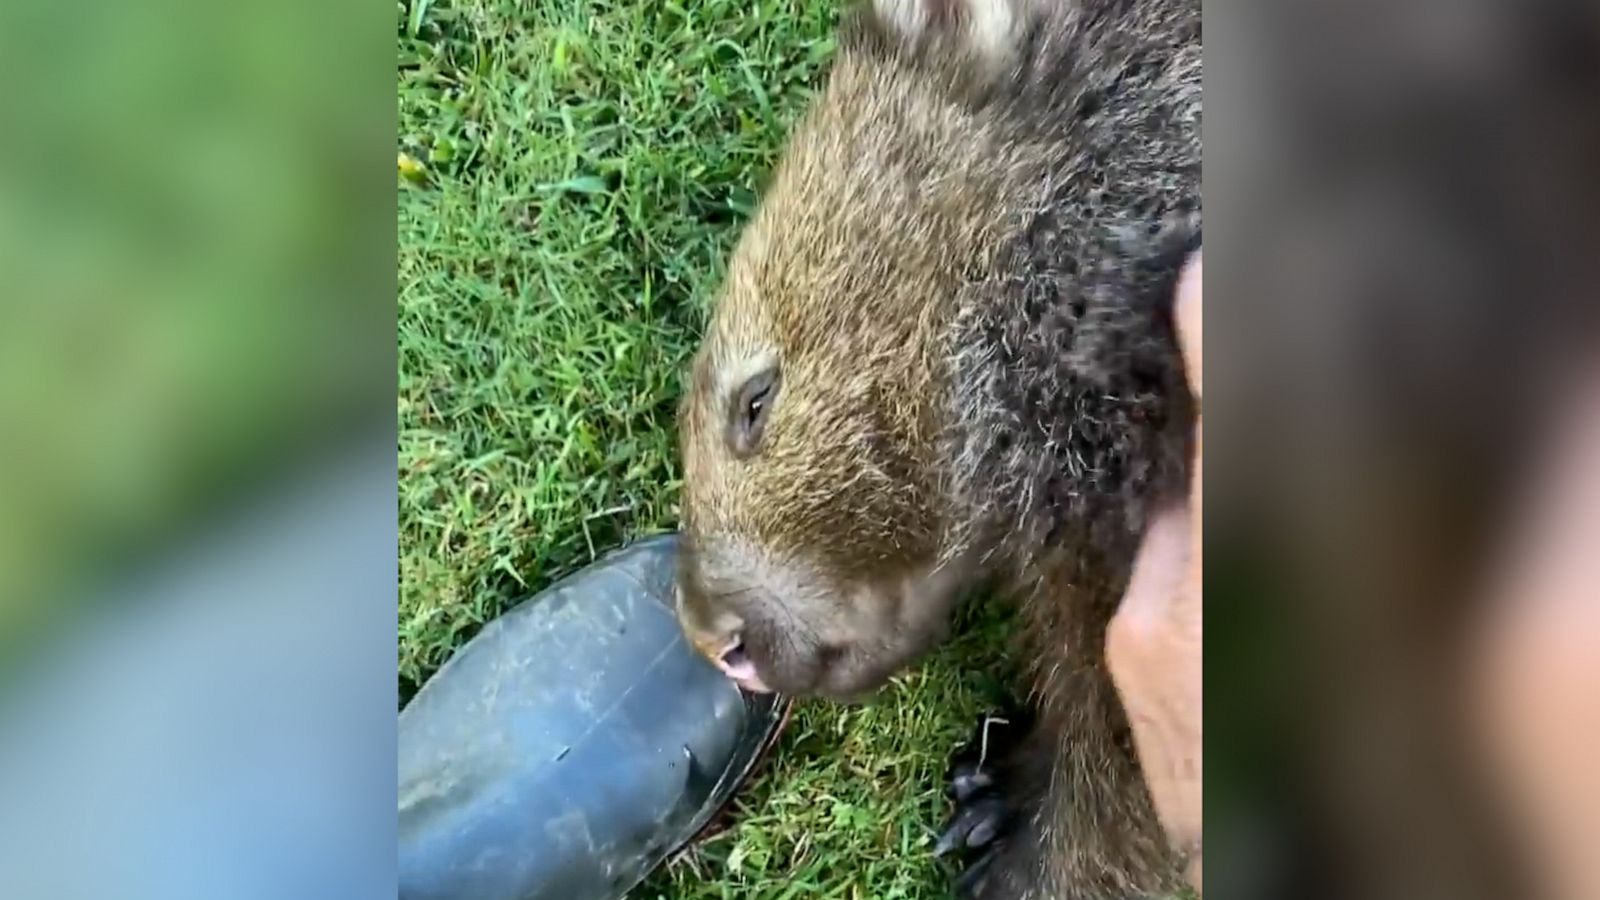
pixel 814 554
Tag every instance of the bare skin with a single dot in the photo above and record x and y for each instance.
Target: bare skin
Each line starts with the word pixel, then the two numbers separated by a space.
pixel 1539 679
pixel 1153 645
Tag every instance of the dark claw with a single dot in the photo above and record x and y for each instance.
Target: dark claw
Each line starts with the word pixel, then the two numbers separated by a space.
pixel 967 779
pixel 975 824
pixel 971 882
pixel 984 812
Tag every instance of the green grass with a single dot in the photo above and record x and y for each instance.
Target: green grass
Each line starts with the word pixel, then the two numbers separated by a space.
pixel 587 167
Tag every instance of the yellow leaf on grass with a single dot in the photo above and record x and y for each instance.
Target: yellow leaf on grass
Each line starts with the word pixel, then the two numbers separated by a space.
pixel 411 168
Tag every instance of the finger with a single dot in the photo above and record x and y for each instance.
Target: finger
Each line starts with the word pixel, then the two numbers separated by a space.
pixel 1155 598
pixel 1153 653
pixel 1189 337
pixel 1540 670
pixel 1187 314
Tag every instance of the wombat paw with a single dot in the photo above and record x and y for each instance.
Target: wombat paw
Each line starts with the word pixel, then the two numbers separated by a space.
pixel 984 811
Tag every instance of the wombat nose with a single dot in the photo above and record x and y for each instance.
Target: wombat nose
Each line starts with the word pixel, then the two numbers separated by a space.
pixel 735 662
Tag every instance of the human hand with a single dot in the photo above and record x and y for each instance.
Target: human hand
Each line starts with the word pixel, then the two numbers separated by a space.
pixel 1153 644
pixel 1539 675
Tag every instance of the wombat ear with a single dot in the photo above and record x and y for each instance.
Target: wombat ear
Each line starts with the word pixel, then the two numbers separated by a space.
pixel 989 28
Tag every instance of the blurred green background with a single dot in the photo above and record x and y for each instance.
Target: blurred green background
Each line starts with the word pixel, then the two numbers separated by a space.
pixel 572 175
pixel 192 274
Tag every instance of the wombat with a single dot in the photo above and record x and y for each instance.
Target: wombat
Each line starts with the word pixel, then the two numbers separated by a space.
pixel 943 357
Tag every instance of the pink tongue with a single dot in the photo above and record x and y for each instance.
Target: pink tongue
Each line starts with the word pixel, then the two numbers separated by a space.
pixel 744 672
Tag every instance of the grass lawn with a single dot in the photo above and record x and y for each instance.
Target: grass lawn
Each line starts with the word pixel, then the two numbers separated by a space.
pixel 587 165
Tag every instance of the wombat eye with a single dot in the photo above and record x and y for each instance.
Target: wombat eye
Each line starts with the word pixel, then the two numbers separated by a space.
pixel 749 411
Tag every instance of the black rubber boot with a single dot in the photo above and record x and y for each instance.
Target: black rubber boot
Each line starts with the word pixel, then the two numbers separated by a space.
pixel 573 745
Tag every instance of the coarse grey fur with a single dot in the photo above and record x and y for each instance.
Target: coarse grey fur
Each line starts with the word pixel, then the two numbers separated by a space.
pixel 1070 407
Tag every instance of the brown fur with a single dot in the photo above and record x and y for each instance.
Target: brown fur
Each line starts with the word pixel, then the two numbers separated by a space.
pixel 962 273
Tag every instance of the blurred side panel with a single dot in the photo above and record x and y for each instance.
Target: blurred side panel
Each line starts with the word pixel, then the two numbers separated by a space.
pixel 196 271
pixel 224 727
pixel 197 495
pixel 1404 268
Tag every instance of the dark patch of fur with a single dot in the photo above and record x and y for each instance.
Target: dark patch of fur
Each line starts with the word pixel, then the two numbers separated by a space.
pixel 1071 411
pixel 1068 391
pixel 1002 232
